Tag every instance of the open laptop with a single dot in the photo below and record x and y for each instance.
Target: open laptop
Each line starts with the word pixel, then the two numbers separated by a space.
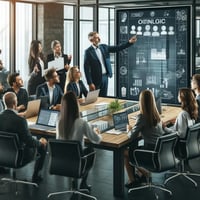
pixel 32 108
pixel 120 121
pixel 46 120
pixel 91 97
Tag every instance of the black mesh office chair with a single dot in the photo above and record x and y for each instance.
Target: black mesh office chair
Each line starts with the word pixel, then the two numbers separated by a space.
pixel 68 159
pixel 160 159
pixel 187 149
pixel 11 156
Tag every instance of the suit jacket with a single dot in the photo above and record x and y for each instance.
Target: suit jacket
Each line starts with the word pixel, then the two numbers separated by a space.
pixel 92 65
pixel 22 97
pixel 42 90
pixel 61 73
pixel 72 86
pixel 11 122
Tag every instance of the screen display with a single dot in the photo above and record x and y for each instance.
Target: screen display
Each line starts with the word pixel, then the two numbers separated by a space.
pixel 160 59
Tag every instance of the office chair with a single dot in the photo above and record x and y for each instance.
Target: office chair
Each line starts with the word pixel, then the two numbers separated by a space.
pixel 160 159
pixel 187 148
pixel 68 159
pixel 11 156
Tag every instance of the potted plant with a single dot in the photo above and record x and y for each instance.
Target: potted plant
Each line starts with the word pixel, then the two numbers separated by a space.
pixel 114 106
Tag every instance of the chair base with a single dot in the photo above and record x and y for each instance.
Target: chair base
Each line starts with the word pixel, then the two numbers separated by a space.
pixel 151 186
pixel 184 174
pixel 19 181
pixel 73 192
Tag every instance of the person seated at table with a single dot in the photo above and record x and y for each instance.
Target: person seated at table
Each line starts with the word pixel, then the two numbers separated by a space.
pixel 148 126
pixel 189 114
pixel 195 86
pixel 16 83
pixel 73 83
pixel 50 89
pixel 71 127
pixel 11 122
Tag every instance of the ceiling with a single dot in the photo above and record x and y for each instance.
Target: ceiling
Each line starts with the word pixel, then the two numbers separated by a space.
pixel 116 3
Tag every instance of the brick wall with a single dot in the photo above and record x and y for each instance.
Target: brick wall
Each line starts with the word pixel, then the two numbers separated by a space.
pixel 50 24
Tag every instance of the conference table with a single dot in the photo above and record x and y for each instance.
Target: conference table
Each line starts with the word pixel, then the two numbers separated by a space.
pixel 114 142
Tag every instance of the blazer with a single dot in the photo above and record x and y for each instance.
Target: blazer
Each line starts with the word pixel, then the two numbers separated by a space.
pixel 42 90
pixel 62 72
pixel 92 65
pixel 16 124
pixel 22 97
pixel 35 78
pixel 72 86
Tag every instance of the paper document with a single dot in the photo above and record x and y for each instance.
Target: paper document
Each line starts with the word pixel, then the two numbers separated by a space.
pixel 58 63
pixel 114 131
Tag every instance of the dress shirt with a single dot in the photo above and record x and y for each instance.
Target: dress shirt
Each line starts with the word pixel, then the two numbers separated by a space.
pixel 100 57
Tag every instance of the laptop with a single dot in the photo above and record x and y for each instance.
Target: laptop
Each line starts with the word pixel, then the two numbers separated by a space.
pixel 91 97
pixel 46 120
pixel 32 108
pixel 120 121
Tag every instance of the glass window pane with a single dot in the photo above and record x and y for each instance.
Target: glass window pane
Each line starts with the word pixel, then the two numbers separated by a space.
pixel 4 34
pixel 23 38
pixel 68 12
pixel 86 13
pixel 68 38
pixel 85 28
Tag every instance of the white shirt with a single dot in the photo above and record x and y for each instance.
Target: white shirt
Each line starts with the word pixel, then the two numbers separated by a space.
pixel 50 93
pixel 100 57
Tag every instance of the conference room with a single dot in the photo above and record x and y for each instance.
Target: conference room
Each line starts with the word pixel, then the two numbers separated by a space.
pixel 162 59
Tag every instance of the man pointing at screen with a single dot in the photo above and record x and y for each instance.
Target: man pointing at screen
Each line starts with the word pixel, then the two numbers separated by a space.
pixel 97 65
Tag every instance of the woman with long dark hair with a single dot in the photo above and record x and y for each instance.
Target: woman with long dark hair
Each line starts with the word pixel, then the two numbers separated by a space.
pixel 71 127
pixel 37 65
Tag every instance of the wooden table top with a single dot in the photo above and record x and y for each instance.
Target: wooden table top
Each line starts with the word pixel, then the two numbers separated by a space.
pixel 169 113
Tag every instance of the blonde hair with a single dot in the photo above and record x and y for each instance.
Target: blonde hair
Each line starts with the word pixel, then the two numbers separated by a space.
pixel 70 77
pixel 148 108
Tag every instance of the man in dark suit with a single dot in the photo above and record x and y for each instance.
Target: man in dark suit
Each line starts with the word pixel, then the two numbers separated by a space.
pixel 57 53
pixel 97 65
pixel 12 122
pixel 50 89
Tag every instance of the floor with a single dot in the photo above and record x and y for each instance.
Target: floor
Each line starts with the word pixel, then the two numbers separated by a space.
pixel 101 180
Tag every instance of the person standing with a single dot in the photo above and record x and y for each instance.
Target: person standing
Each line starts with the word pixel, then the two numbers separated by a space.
pixel 3 76
pixel 16 124
pixel 16 83
pixel 57 53
pixel 37 65
pixel 71 127
pixel 97 65
pixel 50 89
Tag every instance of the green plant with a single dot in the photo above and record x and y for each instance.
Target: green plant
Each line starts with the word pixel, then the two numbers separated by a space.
pixel 114 106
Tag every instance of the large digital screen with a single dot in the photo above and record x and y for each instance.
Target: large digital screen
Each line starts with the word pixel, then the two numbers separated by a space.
pixel 160 59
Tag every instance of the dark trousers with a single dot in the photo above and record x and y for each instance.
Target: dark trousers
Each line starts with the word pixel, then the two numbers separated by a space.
pixel 39 154
pixel 104 86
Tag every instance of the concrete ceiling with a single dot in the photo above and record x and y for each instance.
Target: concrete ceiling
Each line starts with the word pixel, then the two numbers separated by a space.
pixel 115 3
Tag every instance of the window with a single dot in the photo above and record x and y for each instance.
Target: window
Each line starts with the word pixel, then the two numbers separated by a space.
pixel 4 34
pixel 69 31
pixel 23 38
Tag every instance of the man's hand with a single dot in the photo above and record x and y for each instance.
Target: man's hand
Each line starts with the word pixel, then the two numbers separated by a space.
pixel 133 39
pixel 92 87
pixel 43 141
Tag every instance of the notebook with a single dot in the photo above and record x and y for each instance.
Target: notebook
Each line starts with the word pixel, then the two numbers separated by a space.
pixel 32 108
pixel 120 121
pixel 91 97
pixel 46 120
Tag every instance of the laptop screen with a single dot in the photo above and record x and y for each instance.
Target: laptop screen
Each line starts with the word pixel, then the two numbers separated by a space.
pixel 48 117
pixel 120 120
